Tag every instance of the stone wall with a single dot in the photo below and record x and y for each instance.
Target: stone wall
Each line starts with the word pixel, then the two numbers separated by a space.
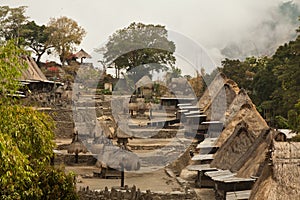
pixel 69 159
pixel 132 193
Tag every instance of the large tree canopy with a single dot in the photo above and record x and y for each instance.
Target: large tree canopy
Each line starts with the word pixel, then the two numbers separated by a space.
pixel 11 20
pixel 65 34
pixel 140 45
pixel 36 37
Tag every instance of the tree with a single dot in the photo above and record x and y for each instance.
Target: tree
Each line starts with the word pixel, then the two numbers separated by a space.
pixel 26 141
pixel 272 82
pixel 36 37
pixel 65 33
pixel 11 65
pixel 11 20
pixel 138 49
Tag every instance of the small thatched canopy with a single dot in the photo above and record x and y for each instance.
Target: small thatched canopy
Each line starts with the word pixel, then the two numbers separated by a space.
pixel 77 146
pixel 121 134
pixel 280 179
pixel 114 157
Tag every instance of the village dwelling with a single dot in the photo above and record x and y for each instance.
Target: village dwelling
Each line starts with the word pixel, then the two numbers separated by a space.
pixel 280 177
pixel 144 87
pixel 218 97
pixel 82 55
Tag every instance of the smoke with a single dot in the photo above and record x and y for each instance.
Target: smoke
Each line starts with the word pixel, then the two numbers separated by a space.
pixel 262 39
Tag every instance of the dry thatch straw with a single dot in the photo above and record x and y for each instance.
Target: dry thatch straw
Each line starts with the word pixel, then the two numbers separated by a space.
pixel 253 161
pixel 107 132
pixel 82 54
pixel 242 109
pixel 280 179
pixel 77 147
pixel 234 147
pixel 32 72
pixel 145 81
pixel 212 102
pixel 114 157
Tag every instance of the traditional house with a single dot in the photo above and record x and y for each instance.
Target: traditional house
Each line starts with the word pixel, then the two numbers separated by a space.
pixel 82 55
pixel 36 85
pixel 280 177
pixel 144 87
pixel 217 97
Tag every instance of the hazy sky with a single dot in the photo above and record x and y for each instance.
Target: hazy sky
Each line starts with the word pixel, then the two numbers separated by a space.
pixel 242 27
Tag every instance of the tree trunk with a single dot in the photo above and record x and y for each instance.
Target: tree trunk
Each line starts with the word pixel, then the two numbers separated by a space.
pixel 38 59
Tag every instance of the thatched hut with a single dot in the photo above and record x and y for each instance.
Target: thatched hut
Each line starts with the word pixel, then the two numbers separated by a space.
pixel 144 87
pixel 253 160
pixel 234 147
pixel 241 109
pixel 212 102
pixel 82 55
pixel 32 72
pixel 280 178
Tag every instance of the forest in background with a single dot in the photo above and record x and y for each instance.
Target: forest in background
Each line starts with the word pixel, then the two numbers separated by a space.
pixel 272 82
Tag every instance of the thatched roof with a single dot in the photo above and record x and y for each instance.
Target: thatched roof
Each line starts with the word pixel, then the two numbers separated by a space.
pixel 280 179
pixel 82 54
pixel 113 157
pixel 104 128
pixel 145 81
pixel 33 72
pixel 122 134
pixel 77 146
pixel 253 160
pixel 241 109
pixel 212 102
pixel 234 147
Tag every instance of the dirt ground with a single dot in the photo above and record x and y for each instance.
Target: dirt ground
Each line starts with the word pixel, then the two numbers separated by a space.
pixel 155 181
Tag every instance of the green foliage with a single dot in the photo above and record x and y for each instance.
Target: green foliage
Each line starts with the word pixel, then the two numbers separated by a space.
pixel 11 65
pixel 36 37
pixel 30 130
pixel 11 20
pixel 281 122
pixel 139 45
pixel 26 146
pixel 296 138
pixel 26 142
pixel 273 81
pixel 55 184
pixel 15 173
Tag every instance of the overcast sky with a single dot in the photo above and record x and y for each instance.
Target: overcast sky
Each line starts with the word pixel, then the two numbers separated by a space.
pixel 232 28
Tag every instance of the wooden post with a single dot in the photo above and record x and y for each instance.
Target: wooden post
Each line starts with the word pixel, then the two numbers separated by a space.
pixel 76 157
pixel 122 175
